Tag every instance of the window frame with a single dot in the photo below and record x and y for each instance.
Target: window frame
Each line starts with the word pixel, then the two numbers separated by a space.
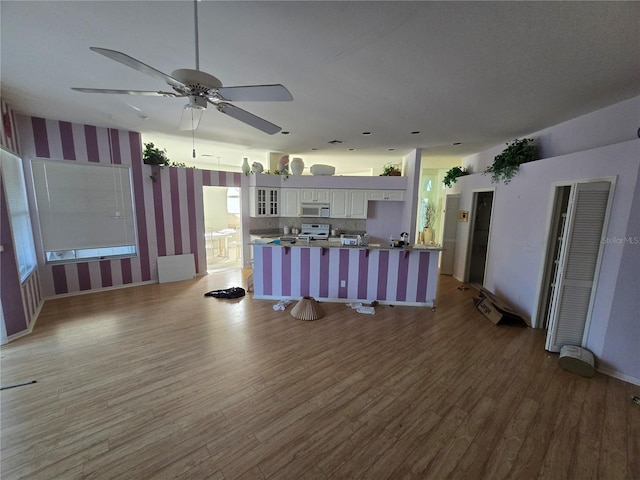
pixel 85 254
pixel 24 249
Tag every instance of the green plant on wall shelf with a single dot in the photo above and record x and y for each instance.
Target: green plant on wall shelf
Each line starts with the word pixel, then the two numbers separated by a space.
pixel 391 170
pixel 507 164
pixel 154 156
pixel 452 175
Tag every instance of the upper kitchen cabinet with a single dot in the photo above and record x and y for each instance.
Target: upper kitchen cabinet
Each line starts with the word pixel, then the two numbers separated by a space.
pixel 320 195
pixel 289 202
pixel 348 203
pixel 264 202
pixel 386 195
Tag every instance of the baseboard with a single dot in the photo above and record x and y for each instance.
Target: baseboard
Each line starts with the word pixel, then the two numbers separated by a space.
pixel 103 289
pixel 620 376
pixel 29 329
pixel 21 334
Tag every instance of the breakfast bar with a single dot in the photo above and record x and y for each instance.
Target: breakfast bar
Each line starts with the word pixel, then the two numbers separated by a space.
pixel 331 272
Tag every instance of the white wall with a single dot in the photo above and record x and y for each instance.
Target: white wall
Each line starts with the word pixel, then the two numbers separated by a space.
pixel 215 213
pixel 614 124
pixel 521 218
pixel 620 346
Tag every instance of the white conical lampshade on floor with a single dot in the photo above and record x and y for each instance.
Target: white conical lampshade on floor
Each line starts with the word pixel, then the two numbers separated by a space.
pixel 307 309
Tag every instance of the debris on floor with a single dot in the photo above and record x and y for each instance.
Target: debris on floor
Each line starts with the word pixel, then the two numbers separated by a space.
pixel 497 310
pixel 360 308
pixel 282 304
pixel 233 292
pixel 21 384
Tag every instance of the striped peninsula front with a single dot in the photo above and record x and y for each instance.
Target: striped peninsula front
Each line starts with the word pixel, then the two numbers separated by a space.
pixel 397 276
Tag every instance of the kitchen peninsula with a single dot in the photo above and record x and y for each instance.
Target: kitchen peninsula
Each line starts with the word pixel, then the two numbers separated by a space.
pixel 332 272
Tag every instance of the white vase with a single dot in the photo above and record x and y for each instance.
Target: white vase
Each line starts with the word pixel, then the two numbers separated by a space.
pixel 297 166
pixel 245 166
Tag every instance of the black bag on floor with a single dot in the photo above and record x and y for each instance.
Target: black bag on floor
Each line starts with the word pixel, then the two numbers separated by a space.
pixel 233 292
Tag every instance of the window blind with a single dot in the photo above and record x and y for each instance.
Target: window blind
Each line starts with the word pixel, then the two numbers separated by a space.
pixel 83 206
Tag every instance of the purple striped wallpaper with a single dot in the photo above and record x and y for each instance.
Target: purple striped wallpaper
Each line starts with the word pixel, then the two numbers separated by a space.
pixel 169 212
pixel 392 276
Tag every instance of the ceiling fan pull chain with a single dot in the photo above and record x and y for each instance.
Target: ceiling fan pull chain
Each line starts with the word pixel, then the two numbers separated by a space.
pixel 193 136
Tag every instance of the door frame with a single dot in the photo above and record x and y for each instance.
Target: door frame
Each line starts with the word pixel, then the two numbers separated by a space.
pixel 472 223
pixel 536 321
pixel 547 263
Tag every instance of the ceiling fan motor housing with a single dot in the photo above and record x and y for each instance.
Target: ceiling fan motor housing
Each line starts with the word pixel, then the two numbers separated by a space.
pixel 197 102
pixel 200 83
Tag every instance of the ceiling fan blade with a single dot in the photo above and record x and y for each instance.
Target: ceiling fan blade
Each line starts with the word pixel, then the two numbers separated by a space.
pixel 248 118
pixel 141 67
pixel 127 92
pixel 256 93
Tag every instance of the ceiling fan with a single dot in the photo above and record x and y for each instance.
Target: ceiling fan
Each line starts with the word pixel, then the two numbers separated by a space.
pixel 201 89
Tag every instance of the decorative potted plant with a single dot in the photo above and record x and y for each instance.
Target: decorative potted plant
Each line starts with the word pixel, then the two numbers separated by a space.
pixel 507 164
pixel 391 170
pixel 430 213
pixel 452 175
pixel 154 156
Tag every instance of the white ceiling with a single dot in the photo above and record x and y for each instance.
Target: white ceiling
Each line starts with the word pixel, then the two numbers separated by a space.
pixel 480 73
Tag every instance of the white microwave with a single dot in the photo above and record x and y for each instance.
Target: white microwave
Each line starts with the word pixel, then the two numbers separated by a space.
pixel 314 210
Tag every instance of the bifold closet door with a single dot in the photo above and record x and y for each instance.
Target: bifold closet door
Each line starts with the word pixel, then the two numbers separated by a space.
pixel 576 275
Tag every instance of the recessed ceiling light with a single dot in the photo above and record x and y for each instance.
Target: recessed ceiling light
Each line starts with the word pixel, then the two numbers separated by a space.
pixel 366 133
pixel 335 142
pixel 285 133
pixel 314 149
pixel 456 143
pixel 391 149
pixel 416 132
pixel 352 149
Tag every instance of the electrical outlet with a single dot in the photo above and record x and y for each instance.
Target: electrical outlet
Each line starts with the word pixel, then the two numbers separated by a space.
pixel 343 283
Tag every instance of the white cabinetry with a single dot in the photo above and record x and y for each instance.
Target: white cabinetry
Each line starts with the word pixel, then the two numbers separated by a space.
pixel 265 202
pixel 386 195
pixel 289 202
pixel 321 195
pixel 348 203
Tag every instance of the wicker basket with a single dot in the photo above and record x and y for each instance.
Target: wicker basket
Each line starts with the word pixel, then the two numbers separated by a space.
pixel 307 309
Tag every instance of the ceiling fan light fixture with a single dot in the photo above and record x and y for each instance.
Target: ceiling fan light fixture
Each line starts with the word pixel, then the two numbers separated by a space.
pixel 191 116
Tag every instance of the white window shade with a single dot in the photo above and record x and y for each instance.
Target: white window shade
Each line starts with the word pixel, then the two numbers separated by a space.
pixel 83 206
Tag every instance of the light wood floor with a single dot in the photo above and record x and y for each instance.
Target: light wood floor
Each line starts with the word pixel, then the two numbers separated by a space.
pixel 158 381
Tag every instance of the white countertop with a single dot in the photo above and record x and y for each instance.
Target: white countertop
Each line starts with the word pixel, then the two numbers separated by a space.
pixel 335 243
